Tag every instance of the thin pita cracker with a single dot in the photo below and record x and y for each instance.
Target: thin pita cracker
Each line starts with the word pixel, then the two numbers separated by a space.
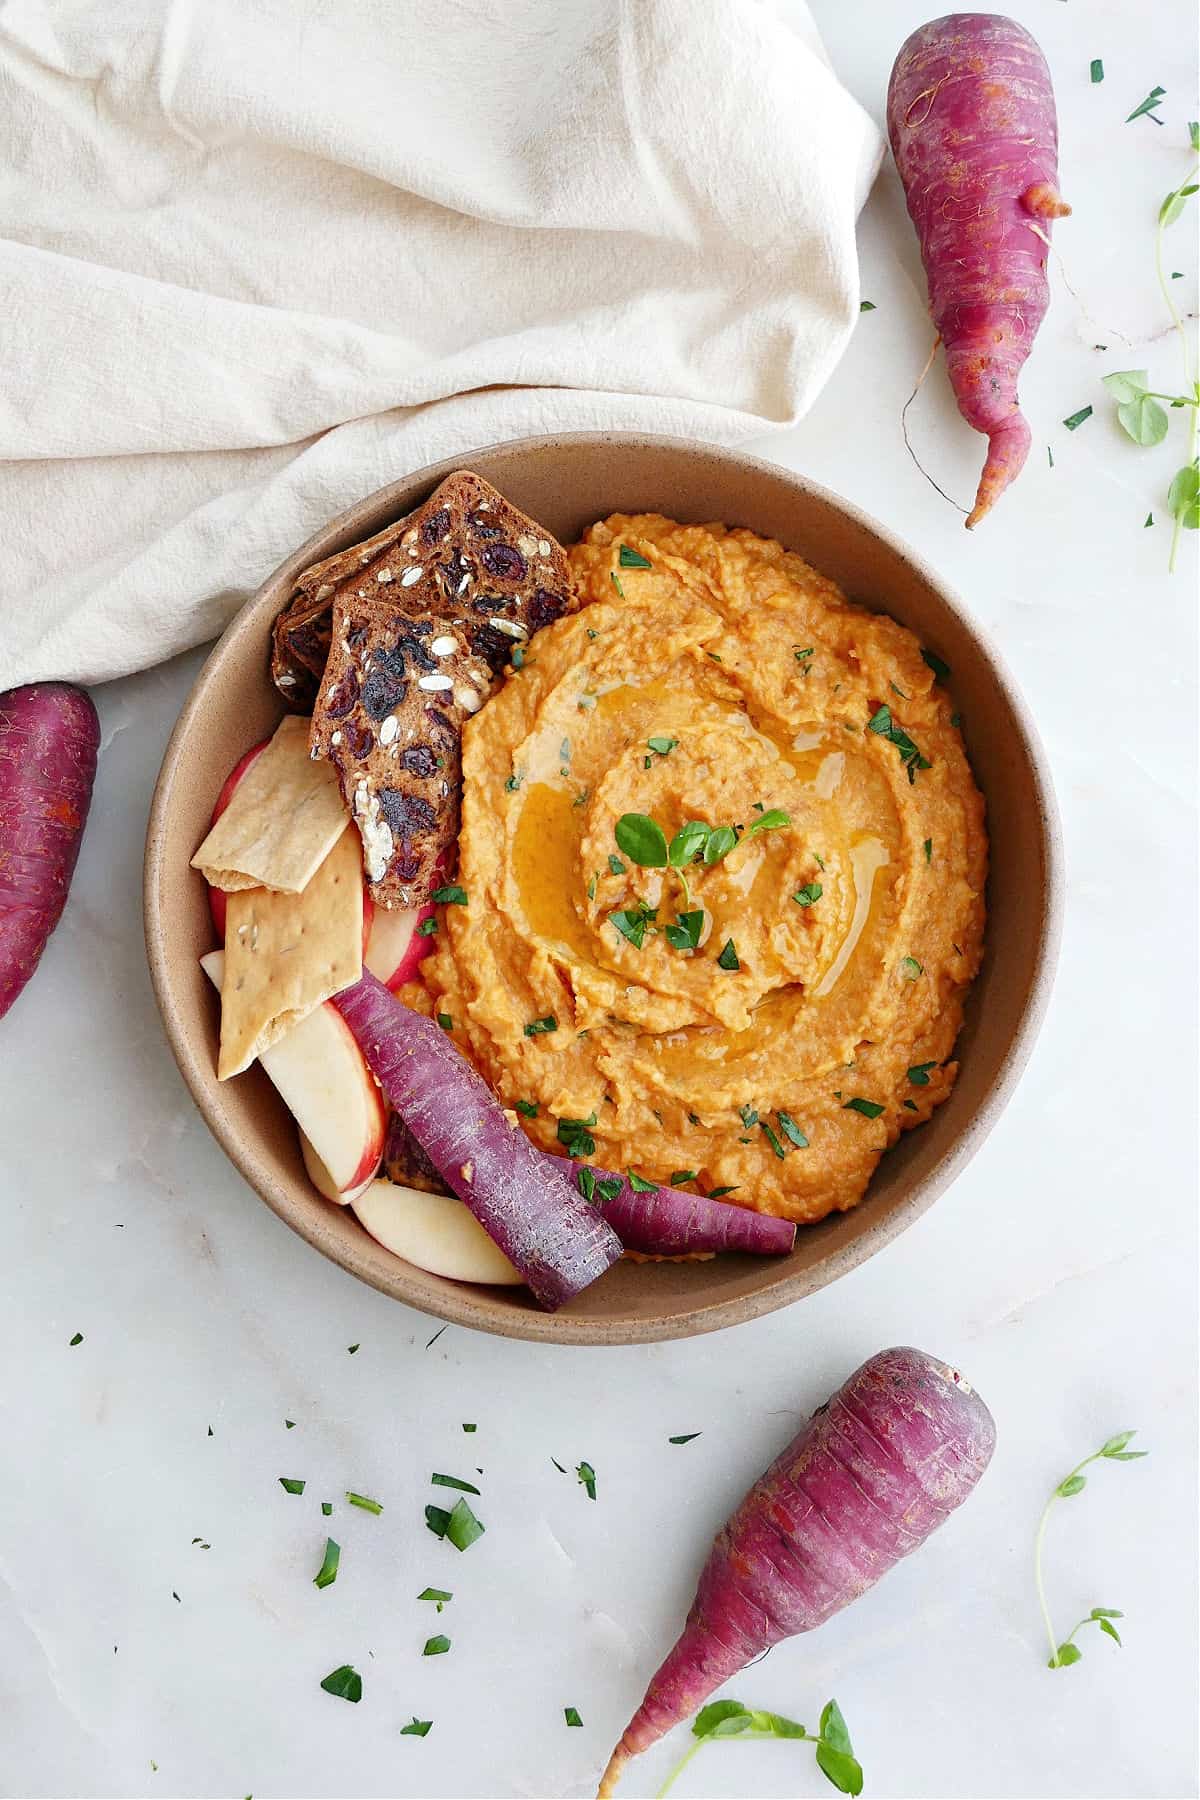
pixel 284 818
pixel 286 953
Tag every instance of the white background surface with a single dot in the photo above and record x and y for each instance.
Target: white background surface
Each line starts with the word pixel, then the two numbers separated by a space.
pixel 1059 1272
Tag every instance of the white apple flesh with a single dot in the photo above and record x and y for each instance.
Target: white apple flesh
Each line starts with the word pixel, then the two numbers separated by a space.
pixel 433 1231
pixel 395 946
pixel 327 1087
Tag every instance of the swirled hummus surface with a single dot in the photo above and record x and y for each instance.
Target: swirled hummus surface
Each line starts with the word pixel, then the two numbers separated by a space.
pixel 765 1018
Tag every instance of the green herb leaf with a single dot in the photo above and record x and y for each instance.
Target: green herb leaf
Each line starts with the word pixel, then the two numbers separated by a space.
pixel 326 1508
pixel 571 1715
pixel 585 1180
pixel 1077 418
pixel 1148 106
pixel 728 958
pixel 885 726
pixel 803 655
pixel 445 1021
pixel 642 840
pixel 587 1477
pixel 870 1109
pixel 866 306
pixel 344 1684
pixel 1105 1612
pixel 919 1073
pixel 326 1575
pixel 1097 71
pixel 806 895
pixel 685 1437
pixel 539 1027
pixel 364 1503
pixel 452 1481
pixel 640 1185
pixel 840 1768
pixel 610 1187
pixel 436 1646
pixel 721 840
pixel 290 1485
pixel 463 1528
pixel 1194 133
pixel 685 935
pixel 616 581
pixel 772 1139
pixel 1109 1629
pixel 510 787
pixel 833 1728
pixel 910 968
pixel 662 746
pixel 427 927
pixel 721 1713
pixel 747 1115
pixel 688 841
pixel 941 669
pixel 77 1339
pixel 679 1177
pixel 1068 1653
pixel 578 1140
pixel 1126 384
pixel 1183 496
pixel 1119 1442
pixel 437 1519
pixel 439 1596
pixel 631 922
pixel 449 896
pixel 616 866
pixel 1149 521
pixel 1143 420
pixel 1074 1484
pixel 791 1130
pixel 773 820
pixel 417 1728
pixel 527 1108
pixel 631 559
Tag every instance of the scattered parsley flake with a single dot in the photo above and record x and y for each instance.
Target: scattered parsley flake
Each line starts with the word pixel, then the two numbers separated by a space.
pixel 792 1130
pixel 326 1508
pixel 662 746
pixel 919 1073
pixel 940 669
pixel 910 968
pixel 1077 418
pixel 351 1349
pixel 449 896
pixel 77 1339
pixel 289 1424
pixel 587 1478
pixel 576 1138
pixel 806 895
pixel 539 1027
pixel 291 1485
pixel 427 927
pixel 685 1437
pixel 439 1596
pixel 326 1575
pixel 417 1728
pixel 616 581
pixel 679 1177
pixel 463 1528
pixel 1097 71
pixel 452 1481
pixel 528 1109
pixel 718 1192
pixel 928 849
pixel 470 1428
pixel 344 1684
pixel 772 1138
pixel 514 781
pixel 436 1646
pixel 883 725
pixel 866 306
pixel 571 1715
pixel 640 1185
pixel 364 1503
pixel 445 1021
pixel 1147 107
pixel 631 559
pixel 870 1109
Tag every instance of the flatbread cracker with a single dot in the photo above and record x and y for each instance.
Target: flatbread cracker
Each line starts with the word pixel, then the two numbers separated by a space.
pixel 283 819
pixel 286 953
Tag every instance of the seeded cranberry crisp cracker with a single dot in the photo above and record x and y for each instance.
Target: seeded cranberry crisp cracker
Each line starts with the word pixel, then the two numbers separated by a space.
pixel 300 638
pixel 420 618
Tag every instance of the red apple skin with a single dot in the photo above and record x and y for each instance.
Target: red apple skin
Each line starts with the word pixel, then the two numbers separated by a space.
pixel 368 918
pixel 216 896
pixel 418 949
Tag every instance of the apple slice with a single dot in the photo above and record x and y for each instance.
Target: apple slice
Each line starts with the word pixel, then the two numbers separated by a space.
pixel 216 896
pixel 433 1231
pixel 323 1181
pixel 395 946
pixel 327 1087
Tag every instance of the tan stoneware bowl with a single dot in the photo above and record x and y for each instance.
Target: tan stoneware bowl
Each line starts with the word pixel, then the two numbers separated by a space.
pixel 567 482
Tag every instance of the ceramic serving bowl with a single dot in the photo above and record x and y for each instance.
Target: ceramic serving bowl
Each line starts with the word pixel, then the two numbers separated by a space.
pixel 567 482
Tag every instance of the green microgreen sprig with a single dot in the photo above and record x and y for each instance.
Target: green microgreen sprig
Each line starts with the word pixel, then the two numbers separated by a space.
pixel 729 1718
pixel 1068 1652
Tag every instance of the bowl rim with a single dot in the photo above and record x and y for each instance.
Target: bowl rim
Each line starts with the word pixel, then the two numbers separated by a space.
pixel 466 1307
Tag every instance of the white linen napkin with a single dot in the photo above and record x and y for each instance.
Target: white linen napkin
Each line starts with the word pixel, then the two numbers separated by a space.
pixel 262 256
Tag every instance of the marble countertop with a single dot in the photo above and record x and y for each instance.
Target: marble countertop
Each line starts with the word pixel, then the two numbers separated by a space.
pixel 159 1630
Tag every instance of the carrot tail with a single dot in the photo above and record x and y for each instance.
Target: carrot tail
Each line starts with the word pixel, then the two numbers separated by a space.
pixel 612 1774
pixel 698 1665
pixel 1008 446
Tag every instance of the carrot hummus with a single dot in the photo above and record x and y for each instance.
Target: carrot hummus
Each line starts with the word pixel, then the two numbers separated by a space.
pixel 723 862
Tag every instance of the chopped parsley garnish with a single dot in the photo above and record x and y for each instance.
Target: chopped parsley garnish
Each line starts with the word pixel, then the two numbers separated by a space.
pixel 912 1106
pixel 640 1185
pixel 791 1130
pixel 585 1180
pixel 728 958
pixel 679 1176
pixel 870 1109
pixel 685 935
pixel 885 726
pixel 528 1109
pixel 439 1596
pixel 353 1349
pixel 591 888
pixel 436 1646
pixel 462 1527
pixel 417 1728
pixel 955 720
pixel 290 1485
pixel 326 1575
pixel 518 657
pixel 661 746
pixel 452 1481
pixel 539 1027
pixel 1085 412
pixel 587 1478
pixel 910 968
pixel 1147 107
pixel 326 1508
pixel 809 893
pixel 616 866
pixel 571 1715
pixel 747 1115
pixel 630 559
pixel 449 896
pixel 616 581
pixel 927 846
pixel 470 1428
pixel 289 1424
pixel 437 1520
pixel 1097 72
pixel 685 1437
pixel 77 1339
pixel 719 1192
pixel 631 922
pixel 364 1503
pixel 445 1021
pixel 772 1139
pixel 941 669
pixel 344 1684
pixel 919 1073
pixel 427 927
pixel 802 655
pixel 609 1187
pixel 514 781
pixel 866 306
pixel 575 1136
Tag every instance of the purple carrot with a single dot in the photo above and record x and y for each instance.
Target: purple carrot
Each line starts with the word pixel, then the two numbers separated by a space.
pixel 534 1213
pixel 49 742
pixel 664 1221
pixel 876 1469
